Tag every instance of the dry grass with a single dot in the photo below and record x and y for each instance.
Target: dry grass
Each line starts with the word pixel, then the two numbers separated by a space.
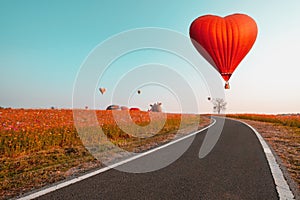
pixel 285 120
pixel 283 134
pixel 39 147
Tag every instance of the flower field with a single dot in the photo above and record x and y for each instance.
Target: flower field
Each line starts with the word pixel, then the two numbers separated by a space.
pixel 41 146
pixel 285 120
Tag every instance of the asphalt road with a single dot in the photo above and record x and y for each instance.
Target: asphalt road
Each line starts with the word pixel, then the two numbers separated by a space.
pixel 236 168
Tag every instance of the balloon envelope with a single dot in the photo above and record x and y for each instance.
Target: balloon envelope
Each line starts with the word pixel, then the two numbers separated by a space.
pixel 113 107
pixel 102 90
pixel 124 108
pixel 135 109
pixel 224 42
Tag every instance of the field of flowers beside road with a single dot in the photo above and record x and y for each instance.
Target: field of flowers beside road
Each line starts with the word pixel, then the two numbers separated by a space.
pixel 42 146
pixel 285 120
pixel 282 132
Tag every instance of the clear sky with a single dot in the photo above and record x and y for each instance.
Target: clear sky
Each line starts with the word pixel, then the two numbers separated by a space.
pixel 44 43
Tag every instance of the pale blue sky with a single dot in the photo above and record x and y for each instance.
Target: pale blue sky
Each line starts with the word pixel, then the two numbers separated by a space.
pixel 43 44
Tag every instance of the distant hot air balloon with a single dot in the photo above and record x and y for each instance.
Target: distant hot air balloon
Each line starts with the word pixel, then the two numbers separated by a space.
pixel 102 90
pixel 224 42
pixel 139 91
pixel 135 109
pixel 124 108
pixel 208 98
pixel 113 107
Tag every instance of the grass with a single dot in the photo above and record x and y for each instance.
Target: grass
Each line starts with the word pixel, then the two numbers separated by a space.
pixel 285 120
pixel 38 147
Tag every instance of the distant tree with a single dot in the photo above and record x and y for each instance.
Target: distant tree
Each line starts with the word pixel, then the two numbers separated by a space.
pixel 1 107
pixel 219 105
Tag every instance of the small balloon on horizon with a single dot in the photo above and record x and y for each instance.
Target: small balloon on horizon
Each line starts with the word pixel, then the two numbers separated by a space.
pixel 102 90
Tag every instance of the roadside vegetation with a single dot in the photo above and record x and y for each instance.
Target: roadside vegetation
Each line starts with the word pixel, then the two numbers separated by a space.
pixel 285 120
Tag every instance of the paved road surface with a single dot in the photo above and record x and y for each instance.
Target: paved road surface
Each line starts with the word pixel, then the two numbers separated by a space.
pixel 235 169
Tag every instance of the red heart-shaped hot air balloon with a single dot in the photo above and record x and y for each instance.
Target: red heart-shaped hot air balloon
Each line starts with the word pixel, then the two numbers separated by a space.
pixel 224 41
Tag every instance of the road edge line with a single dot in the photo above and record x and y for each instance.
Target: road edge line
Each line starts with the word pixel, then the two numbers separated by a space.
pixel 282 187
pixel 101 170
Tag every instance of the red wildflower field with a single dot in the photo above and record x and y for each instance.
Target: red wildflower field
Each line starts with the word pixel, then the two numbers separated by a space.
pixel 285 120
pixel 42 146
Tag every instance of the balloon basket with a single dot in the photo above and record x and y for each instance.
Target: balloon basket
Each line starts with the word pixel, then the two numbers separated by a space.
pixel 227 86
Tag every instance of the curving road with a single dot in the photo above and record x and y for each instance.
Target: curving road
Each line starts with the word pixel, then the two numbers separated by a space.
pixel 236 168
